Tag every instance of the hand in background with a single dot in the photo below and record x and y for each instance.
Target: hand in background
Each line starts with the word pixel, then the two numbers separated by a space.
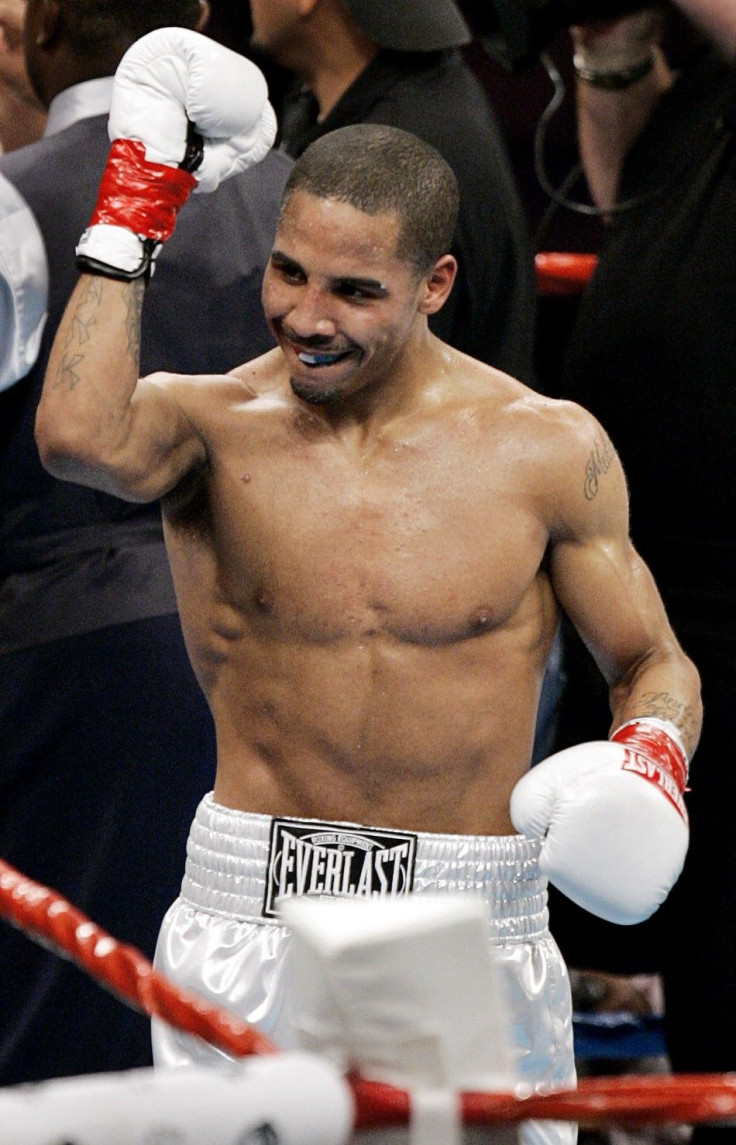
pixel 616 45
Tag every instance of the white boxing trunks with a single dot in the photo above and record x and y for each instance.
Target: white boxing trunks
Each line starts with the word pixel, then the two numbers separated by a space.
pixel 222 939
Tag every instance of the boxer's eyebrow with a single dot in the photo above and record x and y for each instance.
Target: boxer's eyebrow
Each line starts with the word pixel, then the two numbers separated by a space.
pixel 355 284
pixel 282 262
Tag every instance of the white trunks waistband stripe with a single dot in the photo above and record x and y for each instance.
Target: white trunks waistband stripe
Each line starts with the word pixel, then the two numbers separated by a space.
pixel 239 864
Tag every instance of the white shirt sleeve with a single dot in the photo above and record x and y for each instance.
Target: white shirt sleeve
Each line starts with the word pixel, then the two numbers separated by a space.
pixel 24 278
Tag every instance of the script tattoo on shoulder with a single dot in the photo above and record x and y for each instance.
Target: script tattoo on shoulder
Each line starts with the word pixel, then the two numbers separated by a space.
pixel 599 462
pixel 82 321
pixel 664 706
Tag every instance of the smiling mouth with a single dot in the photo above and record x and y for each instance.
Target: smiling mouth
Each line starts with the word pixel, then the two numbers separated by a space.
pixel 315 360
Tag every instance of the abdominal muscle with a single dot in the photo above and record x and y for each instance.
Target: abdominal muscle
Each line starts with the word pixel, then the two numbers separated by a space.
pixel 364 663
pixel 376 730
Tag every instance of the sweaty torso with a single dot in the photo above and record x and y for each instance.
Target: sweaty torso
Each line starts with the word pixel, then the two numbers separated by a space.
pixel 369 617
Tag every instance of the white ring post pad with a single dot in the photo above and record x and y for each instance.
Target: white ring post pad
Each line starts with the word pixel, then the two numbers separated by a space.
pixel 404 990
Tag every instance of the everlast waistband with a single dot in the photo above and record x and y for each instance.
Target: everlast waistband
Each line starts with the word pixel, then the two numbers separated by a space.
pixel 240 864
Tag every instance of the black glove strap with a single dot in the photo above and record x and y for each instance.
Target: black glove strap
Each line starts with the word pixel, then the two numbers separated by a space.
pixel 144 270
pixel 194 153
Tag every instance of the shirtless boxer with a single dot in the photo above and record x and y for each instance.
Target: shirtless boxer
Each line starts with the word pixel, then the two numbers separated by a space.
pixel 371 537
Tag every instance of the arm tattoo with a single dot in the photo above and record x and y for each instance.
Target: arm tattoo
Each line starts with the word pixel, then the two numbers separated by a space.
pixel 134 305
pixel 80 326
pixel 664 706
pixel 66 375
pixel 598 464
pixel 84 319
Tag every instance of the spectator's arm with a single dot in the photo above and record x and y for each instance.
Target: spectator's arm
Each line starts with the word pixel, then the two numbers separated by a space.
pixel 621 76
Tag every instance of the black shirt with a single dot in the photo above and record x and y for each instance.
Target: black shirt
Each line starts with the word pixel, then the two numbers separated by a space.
pixel 653 354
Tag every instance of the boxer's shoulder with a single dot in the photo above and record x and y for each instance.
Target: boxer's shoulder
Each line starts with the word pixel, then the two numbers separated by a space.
pixel 245 382
pixel 566 434
pixel 558 452
pixel 524 414
pixel 265 378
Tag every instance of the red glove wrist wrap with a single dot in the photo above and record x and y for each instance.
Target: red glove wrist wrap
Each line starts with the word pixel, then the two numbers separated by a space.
pixel 654 755
pixel 145 197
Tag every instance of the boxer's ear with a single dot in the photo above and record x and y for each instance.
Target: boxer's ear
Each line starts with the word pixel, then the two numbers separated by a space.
pixel 437 284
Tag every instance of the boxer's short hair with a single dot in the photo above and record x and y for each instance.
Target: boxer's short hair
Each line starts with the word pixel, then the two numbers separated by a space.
pixel 94 26
pixel 379 169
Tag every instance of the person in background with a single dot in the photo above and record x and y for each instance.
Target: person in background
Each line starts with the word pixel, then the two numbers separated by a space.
pixel 99 707
pixel 652 354
pixel 22 116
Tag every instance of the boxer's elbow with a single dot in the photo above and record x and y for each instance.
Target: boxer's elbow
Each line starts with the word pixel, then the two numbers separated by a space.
pixel 66 442
pixel 61 446
pixel 74 452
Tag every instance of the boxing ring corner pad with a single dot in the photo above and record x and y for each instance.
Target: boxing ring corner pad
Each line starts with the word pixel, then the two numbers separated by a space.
pixel 391 989
pixel 289 1098
pixel 402 991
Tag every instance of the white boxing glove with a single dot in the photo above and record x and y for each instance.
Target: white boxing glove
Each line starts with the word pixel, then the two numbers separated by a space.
pixel 174 77
pixel 613 819
pixel 186 114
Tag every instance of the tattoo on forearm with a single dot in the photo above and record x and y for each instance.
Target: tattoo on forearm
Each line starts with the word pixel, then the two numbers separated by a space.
pixel 600 461
pixel 80 326
pixel 134 305
pixel 664 706
pixel 66 375
pixel 82 322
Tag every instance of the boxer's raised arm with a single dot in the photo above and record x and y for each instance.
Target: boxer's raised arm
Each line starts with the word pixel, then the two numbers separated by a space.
pixel 97 423
pixel 186 113
pixel 717 18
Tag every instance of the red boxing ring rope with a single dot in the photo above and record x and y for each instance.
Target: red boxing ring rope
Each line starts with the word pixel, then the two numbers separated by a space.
pixel 561 272
pixel 49 919
pixel 44 915
pixel 645 1100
